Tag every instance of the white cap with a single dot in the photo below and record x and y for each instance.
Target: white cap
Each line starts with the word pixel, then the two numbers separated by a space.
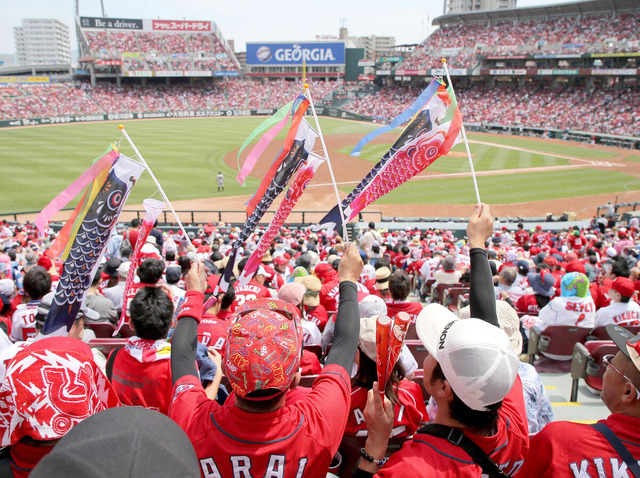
pixel 476 358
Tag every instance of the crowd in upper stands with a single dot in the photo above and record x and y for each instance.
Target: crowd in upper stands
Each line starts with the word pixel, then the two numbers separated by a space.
pixel 465 42
pixel 161 51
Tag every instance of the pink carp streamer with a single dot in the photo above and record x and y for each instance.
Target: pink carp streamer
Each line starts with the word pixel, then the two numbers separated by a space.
pixel 152 208
pixel 297 187
pixel 390 336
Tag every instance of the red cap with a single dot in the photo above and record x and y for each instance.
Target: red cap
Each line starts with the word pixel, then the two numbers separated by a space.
pixel 538 227
pixel 279 261
pixel 322 269
pixel 623 286
pixel 575 266
pixel 263 348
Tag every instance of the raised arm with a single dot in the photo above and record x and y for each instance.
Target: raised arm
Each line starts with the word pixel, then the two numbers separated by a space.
pixel 185 338
pixel 482 302
pixel 347 327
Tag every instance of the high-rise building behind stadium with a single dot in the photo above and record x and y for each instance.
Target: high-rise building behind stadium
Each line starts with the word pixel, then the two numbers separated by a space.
pixel 42 41
pixel 459 6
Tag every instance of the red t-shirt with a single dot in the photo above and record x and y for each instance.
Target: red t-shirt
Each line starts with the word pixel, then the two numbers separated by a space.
pixel 251 291
pixel 426 455
pixel 329 294
pixel 295 440
pixel 521 236
pixel 318 315
pixel 411 308
pixel 143 379
pixel 212 332
pixel 408 414
pixel 528 304
pixel 24 458
pixel 566 449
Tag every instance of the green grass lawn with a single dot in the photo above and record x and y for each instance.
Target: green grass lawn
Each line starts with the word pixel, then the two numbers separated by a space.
pixel 186 155
pixel 511 188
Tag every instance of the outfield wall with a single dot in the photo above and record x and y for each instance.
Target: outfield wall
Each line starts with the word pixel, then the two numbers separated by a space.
pixel 579 136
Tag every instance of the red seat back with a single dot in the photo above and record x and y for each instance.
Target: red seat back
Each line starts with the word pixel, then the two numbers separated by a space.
pixel 561 339
pixel 600 333
pixel 598 349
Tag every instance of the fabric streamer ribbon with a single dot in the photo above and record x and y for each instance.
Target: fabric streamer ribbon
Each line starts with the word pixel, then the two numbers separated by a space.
pixel 152 208
pixel 61 200
pixel 401 118
pixel 279 119
pixel 106 199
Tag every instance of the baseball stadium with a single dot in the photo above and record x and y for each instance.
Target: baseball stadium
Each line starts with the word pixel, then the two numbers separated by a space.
pixel 166 187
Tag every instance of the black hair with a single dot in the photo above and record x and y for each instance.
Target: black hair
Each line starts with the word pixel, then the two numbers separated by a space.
pixel 372 225
pixel 404 249
pixel 170 256
pixel 620 268
pixel 476 420
pixel 399 286
pixel 367 374
pixel 151 311
pixel 37 282
pixel 381 263
pixel 150 271
pixel 96 278
pixel 227 299
pixel 241 264
pixel 135 222
pixel 185 264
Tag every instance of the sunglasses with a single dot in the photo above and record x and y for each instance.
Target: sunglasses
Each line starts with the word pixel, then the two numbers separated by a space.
pixel 606 361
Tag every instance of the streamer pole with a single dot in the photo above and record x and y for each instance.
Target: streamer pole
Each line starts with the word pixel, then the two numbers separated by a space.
pixel 155 180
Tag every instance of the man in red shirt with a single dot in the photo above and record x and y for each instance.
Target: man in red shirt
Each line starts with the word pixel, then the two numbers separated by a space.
pixel 257 434
pixel 566 449
pixel 330 285
pixel 252 291
pixel 141 370
pixel 521 235
pixel 471 373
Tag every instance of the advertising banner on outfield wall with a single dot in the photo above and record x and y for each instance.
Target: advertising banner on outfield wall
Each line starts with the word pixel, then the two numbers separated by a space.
pixel 321 110
pixel 507 72
pixel 292 54
pixel 111 23
pixel 24 79
pixel 556 71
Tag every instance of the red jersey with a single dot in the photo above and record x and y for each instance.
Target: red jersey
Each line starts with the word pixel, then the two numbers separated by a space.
pixel 252 291
pixel 298 439
pixel 566 449
pixel 142 374
pixel 310 364
pixel 521 237
pixel 212 332
pixel 528 304
pixel 539 238
pixel 411 308
pixel 426 455
pixel 329 295
pixel 318 315
pixel 408 414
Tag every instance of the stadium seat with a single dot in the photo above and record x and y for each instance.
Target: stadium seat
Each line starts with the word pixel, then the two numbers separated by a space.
pixel 307 380
pixel 556 343
pixel 437 291
pixel 586 364
pixel 127 331
pixel 418 350
pixel 450 298
pixel 600 333
pixel 316 349
pixel 106 345
pixel 103 330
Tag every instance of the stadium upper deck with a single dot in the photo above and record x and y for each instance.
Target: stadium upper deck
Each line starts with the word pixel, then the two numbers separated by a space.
pixel 146 48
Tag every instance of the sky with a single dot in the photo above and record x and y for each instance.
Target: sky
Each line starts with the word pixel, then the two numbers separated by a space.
pixel 409 21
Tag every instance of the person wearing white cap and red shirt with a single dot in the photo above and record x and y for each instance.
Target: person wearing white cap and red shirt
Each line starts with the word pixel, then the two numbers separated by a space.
pixel 567 449
pixel 623 310
pixel 253 290
pixel 471 372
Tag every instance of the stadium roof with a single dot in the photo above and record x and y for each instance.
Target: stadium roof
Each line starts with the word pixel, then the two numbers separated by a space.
pixel 572 9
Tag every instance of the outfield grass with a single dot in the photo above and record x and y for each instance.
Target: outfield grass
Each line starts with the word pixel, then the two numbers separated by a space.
pixel 485 158
pixel 511 188
pixel 186 155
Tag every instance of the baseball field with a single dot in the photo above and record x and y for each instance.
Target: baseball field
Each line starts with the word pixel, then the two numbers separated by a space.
pixel 517 176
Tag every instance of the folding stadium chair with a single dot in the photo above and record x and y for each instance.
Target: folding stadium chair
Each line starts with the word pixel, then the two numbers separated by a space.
pixel 127 331
pixel 437 291
pixel 307 380
pixel 600 333
pixel 587 364
pixel 426 289
pixel 103 330
pixel 463 300
pixel 418 350
pixel 556 344
pixel 450 298
pixel 106 344
pixel 412 333
pixel 316 349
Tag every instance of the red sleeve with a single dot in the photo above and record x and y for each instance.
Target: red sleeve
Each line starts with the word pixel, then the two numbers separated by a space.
pixel 187 398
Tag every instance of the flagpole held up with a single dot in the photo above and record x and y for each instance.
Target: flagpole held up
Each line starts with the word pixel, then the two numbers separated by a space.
pixel 153 177
pixel 464 137
pixel 345 236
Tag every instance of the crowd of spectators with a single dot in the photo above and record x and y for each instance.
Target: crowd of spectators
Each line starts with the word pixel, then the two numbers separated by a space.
pixel 140 51
pixel 312 280
pixel 462 43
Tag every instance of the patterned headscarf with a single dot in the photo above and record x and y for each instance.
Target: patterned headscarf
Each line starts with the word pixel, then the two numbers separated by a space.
pixel 574 284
